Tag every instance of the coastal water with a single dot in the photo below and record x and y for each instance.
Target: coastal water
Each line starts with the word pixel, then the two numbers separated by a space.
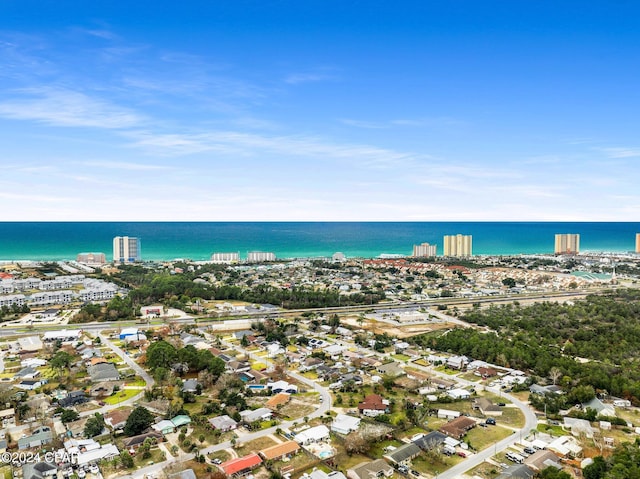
pixel 196 241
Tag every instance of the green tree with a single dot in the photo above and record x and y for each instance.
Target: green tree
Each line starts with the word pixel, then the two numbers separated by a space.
pixel 139 420
pixel 60 362
pixel 126 459
pixel 94 425
pixel 69 415
pixel 161 354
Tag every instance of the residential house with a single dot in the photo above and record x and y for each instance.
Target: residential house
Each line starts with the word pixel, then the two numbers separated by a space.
pixel 165 427
pixel 517 471
pixel 311 435
pixel 458 393
pixel 458 427
pixel 72 399
pixel 181 420
pixel 76 428
pixel 599 407
pixel 402 456
pixel 7 418
pixel 457 362
pixel 542 459
pixel 542 390
pixel 223 423
pixel 373 405
pixel 486 407
pixel 186 474
pixel 448 414
pixel 241 466
pixel 103 389
pixel 565 446
pixel 117 418
pixel 33 362
pixel 237 367
pixel 282 387
pixel 392 369
pixel 370 470
pixel 39 470
pixel 430 441
pixel 134 442
pixel 106 451
pixel 31 384
pixel 250 416
pixel 578 427
pixel 441 383
pixel 486 372
pixel 190 386
pixel 280 451
pixel 103 372
pixel 344 424
pixel 39 437
pixel 28 372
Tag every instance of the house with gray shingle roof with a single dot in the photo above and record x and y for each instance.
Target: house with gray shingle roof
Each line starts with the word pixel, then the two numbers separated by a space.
pixel 103 372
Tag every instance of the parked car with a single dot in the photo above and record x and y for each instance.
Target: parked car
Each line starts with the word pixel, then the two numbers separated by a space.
pixel 529 450
pixel 490 421
pixel 462 454
pixel 415 473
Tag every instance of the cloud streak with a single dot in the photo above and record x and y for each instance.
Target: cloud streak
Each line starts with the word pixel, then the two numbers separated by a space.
pixel 62 107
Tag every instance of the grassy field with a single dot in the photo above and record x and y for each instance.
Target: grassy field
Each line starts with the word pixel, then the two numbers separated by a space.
pixel 435 464
pixel 136 382
pixel 255 445
pixel 121 396
pixel 401 357
pixel 485 471
pixel 482 437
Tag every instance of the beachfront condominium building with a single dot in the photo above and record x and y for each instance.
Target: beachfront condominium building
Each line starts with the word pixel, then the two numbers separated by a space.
pixel 260 256
pixel 637 242
pixel 424 250
pixel 91 258
pixel 225 258
pixel 458 246
pixel 567 243
pixel 126 249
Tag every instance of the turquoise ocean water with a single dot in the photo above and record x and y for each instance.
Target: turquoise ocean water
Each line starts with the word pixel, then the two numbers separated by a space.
pixel 196 241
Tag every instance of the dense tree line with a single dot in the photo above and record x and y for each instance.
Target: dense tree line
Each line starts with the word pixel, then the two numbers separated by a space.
pixel 178 290
pixel 605 330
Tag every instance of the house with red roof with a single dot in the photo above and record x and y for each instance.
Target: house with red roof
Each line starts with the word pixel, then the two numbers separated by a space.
pixel 241 466
pixel 373 405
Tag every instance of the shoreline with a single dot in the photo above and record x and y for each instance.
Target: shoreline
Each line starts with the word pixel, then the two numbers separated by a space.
pixel 390 256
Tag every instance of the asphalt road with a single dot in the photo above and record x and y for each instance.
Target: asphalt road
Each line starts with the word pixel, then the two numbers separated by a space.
pixel 531 421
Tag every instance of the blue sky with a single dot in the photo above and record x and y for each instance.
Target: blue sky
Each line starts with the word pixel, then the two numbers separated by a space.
pixel 319 110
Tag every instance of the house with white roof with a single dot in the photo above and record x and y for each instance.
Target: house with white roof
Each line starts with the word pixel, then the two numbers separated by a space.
pixel 344 424
pixel 311 435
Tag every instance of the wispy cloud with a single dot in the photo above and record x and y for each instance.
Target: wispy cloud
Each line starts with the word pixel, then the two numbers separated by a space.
pixel 297 78
pixel 621 152
pixel 364 124
pixel 417 123
pixel 255 145
pixel 119 165
pixel 61 107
